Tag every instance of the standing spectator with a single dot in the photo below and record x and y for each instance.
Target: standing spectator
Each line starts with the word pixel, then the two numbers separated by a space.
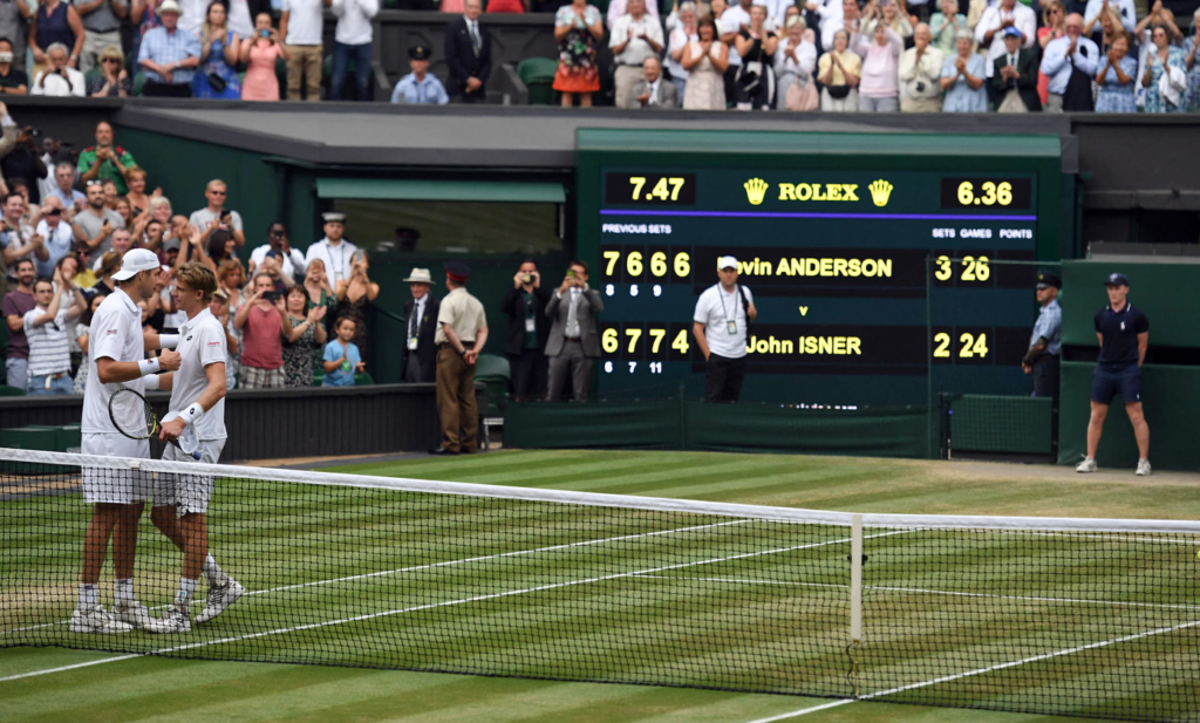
pixel 343 359
pixel 46 333
pixel 101 28
pixel 58 79
pixel 219 308
pixel 723 315
pixel 525 305
pixel 18 239
pixel 1042 358
pixel 635 37
pixel 307 334
pixel 214 214
pixel 654 91
pixel 1014 79
pixel 574 340
pixel 839 71
pixel 1190 46
pixel 139 202
pixel 300 25
pixel 113 80
pixel 242 13
pixel 354 295
pixel 577 28
pixel 219 47
pixel 921 71
pixel 60 236
pixel 830 18
pixel 1070 62
pixel 97 222
pixel 795 60
pixel 888 14
pixel 462 333
pixel 618 8
pixel 756 47
pixel 291 261
pixel 705 59
pixel 1122 9
pixel 734 20
pixel 24 164
pixel 64 179
pixel 55 22
pixel 420 86
pixel 1005 14
pixel 316 283
pixel 143 15
pixel 263 322
pixel 170 55
pixel 1165 79
pixel 419 362
pixel 13 80
pixel 1054 26
pixel 963 78
pixel 18 303
pixel 1109 23
pixel 352 40
pixel 335 252
pixel 677 42
pixel 879 89
pixel 259 54
pixel 469 54
pixel 83 341
pixel 106 160
pixel 945 25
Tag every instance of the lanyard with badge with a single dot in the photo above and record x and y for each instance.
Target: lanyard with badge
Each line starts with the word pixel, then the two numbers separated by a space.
pixel 530 323
pixel 414 325
pixel 730 324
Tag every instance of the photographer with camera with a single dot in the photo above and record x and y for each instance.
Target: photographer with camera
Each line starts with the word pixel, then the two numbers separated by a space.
pixel 263 321
pixel 574 337
pixel 279 247
pixel 23 163
pixel 215 216
pixel 525 304
pixel 59 79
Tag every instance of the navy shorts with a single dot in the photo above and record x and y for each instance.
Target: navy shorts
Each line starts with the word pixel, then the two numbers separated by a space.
pixel 1110 382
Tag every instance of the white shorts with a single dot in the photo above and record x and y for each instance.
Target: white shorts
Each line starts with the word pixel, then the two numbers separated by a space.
pixel 187 493
pixel 115 486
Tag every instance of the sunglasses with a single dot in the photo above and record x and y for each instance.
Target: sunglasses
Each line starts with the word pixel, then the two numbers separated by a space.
pixel 111 60
pixel 96 182
pixel 217 193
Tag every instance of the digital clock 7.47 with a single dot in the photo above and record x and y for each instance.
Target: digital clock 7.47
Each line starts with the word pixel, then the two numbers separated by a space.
pixel 650 189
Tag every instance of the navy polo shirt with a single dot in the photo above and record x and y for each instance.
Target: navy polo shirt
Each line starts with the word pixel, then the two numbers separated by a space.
pixel 1120 330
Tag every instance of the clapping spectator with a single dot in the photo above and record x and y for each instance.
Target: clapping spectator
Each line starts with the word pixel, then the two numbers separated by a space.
pixel 653 90
pixel 13 80
pixel 920 72
pixel 17 302
pixel 577 28
pixel 420 87
pixel 618 8
pixel 944 25
pixel 887 13
pixel 1110 27
pixel 1190 46
pixel 307 333
pixel 58 79
pixel 1116 81
pixel 1014 78
pixel 219 307
pixel 1070 62
pixel 682 34
pixel 300 26
pixel 106 160
pixel 879 90
pixel 55 21
pixel 60 236
pixel 1123 10
pixel 219 47
pixel 705 60
pixel 963 78
pixel 795 59
pixel 1054 26
pixel 230 279
pixel 989 33
pixel 755 83
pixel 264 324
pixel 64 187
pixel 169 55
pixel 113 80
pixel 139 202
pixel 259 54
pixel 635 37
pixel 46 333
pixel 352 40
pixel 32 210
pixel 316 283
pixel 839 71
pixel 354 295
pixel 1165 79
pixel 19 240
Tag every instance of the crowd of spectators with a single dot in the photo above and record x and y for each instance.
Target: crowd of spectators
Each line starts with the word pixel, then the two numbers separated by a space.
pixel 62 245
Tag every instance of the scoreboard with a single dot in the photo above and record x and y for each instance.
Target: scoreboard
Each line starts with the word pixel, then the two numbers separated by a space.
pixel 879 279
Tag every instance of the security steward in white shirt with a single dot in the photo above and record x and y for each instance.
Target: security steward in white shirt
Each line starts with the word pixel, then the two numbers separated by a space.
pixel 723 313
pixel 462 332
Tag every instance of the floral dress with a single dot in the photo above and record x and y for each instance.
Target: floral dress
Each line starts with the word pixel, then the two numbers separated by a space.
pixel 216 67
pixel 1111 96
pixel 1193 75
pixel 578 71
pixel 297 356
pixel 1155 102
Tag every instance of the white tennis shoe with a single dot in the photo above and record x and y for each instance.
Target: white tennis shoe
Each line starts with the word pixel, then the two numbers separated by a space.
pixel 97 620
pixel 1087 465
pixel 220 598
pixel 173 620
pixel 1143 469
pixel 134 614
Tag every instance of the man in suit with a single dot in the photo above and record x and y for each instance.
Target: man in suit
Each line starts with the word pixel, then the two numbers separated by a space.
pixel 469 54
pixel 1016 70
pixel 420 323
pixel 525 305
pixel 653 91
pixel 574 340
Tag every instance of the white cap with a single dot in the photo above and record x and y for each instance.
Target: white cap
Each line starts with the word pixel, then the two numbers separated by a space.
pixel 726 262
pixel 135 261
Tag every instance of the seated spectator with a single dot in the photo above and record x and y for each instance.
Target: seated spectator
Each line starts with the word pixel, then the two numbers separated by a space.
pixel 578 27
pixel 353 39
pixel 1165 79
pixel 342 357
pixel 83 341
pixel 219 47
pixel 13 80
pixel 64 180
pixel 795 59
pixel 307 333
pixel 1068 62
pixel 1193 68
pixel 1054 26
pixel 1004 14
pixel 58 79
pixel 169 55
pixel 53 22
pixel 682 34
pixel 259 54
pixel 635 37
pixel 879 89
pixel 945 24
pixel 705 60
pixel 654 91
pixel 921 72
pixel 46 333
pixel 469 53
pixel 113 80
pixel 1124 11
pixel 300 26
pixel 839 71
pixel 1116 81
pixel 215 216
pixel 1014 79
pixel 963 78
pixel 279 247
pixel 263 322
pixel 60 236
pixel 420 86
pixel 756 46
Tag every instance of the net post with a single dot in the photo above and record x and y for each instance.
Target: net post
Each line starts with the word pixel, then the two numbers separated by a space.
pixel 856 590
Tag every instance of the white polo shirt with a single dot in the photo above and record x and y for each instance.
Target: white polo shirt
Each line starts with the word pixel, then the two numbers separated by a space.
pixel 201 342
pixel 715 309
pixel 116 333
pixel 305 21
pixel 292 264
pixel 339 259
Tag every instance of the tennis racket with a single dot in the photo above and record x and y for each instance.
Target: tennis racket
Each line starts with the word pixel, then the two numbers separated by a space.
pixel 133 417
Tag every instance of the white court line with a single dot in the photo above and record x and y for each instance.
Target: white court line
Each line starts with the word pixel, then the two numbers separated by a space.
pixel 981 671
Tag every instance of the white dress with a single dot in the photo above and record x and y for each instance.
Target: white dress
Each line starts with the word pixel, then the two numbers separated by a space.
pixel 705 87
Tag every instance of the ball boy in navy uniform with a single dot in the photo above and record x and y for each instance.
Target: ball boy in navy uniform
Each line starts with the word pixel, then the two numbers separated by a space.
pixel 1124 333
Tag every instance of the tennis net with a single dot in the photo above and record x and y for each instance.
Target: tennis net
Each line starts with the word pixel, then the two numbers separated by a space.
pixel 1055 616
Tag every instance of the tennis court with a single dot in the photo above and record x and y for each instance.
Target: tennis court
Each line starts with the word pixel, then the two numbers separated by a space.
pixel 680 597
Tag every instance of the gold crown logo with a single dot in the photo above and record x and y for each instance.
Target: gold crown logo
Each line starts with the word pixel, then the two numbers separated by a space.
pixel 756 190
pixel 881 191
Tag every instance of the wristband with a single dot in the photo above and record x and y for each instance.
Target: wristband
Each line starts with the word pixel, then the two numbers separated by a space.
pixel 192 413
pixel 168 341
pixel 152 383
pixel 149 366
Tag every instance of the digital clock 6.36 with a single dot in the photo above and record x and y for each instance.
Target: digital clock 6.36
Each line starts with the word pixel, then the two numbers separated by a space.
pixel 650 189
pixel 995 193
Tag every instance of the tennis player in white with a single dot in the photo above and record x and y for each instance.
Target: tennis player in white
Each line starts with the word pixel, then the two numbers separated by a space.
pixel 118 497
pixel 198 402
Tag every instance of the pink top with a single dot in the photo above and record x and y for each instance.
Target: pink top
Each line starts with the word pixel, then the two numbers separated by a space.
pixel 262 340
pixel 880 65
pixel 452 6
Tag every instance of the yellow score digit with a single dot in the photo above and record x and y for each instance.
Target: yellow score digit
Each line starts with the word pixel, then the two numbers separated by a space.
pixel 683 264
pixel 658 264
pixel 611 257
pixel 609 340
pixel 942 348
pixel 943 272
pixel 633 263
pixel 637 182
pixel 681 342
pixel 973 346
pixel 634 335
pixel 657 335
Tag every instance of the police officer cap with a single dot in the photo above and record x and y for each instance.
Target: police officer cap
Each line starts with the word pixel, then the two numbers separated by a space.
pixel 419 52
pixel 1045 280
pixel 458 270
pixel 1117 279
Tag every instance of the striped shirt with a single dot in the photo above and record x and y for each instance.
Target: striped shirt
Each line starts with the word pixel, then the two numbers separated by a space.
pixel 49 350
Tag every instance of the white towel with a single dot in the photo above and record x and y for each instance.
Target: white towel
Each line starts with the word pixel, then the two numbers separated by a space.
pixel 1172 84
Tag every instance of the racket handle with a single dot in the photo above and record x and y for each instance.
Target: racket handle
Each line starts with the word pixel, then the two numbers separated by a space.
pixel 195 455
